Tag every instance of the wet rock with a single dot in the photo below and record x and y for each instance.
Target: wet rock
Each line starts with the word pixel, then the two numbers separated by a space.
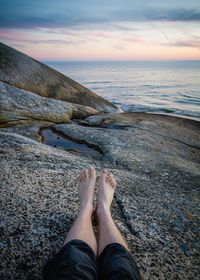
pixel 28 129
pixel 54 138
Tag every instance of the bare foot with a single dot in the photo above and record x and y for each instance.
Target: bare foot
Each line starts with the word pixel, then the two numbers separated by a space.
pixel 86 185
pixel 107 185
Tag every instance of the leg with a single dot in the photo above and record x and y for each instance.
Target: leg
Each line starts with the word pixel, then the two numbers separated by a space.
pixel 114 260
pixel 77 257
pixel 108 232
pixel 82 228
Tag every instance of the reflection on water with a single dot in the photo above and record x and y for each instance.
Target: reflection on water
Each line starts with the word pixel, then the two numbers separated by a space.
pixel 141 86
pixel 56 139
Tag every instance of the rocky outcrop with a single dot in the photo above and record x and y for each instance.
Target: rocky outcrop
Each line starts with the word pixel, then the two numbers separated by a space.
pixel 176 128
pixel 156 163
pixel 26 73
pixel 155 159
pixel 19 106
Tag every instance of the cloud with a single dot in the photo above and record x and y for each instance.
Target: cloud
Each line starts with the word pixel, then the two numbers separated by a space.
pixel 56 41
pixel 81 17
pixel 184 43
pixel 118 47
pixel 174 15
pixel 12 35
pixel 45 21
pixel 20 38
pixel 119 27
pixel 15 45
pixel 102 34
pixel 138 40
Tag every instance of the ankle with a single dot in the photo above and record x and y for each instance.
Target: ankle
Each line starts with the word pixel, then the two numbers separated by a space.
pixel 86 208
pixel 103 211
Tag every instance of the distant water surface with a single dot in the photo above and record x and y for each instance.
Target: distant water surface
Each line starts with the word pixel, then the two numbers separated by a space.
pixel 162 87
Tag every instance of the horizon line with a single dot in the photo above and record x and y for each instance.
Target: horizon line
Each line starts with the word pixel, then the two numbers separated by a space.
pixel 122 60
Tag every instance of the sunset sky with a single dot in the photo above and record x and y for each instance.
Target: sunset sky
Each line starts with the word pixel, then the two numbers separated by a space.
pixel 102 30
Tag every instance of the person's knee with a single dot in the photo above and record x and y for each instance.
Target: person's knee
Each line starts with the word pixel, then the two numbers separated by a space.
pixel 118 268
pixel 116 262
pixel 75 258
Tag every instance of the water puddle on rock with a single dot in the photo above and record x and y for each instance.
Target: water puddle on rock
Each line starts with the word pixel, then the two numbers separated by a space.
pixel 57 139
pixel 116 126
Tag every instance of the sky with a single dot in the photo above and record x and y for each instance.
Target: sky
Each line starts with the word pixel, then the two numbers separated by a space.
pixel 102 30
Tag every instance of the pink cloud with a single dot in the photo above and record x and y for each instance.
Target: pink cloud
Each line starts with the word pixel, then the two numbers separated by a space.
pixel 102 34
pixel 12 35
pixel 135 40
pixel 185 43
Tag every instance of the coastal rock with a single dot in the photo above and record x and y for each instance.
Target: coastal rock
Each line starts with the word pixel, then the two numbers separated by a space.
pixel 28 129
pixel 24 72
pixel 19 106
pixel 39 202
pixel 155 160
pixel 177 128
pixel 147 145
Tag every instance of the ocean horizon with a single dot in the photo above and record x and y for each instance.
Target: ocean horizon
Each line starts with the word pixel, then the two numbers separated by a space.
pixel 164 87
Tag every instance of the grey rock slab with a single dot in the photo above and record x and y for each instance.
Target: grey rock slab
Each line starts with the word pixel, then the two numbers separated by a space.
pixel 155 205
pixel 29 129
pixel 158 191
pixel 17 105
pixel 38 202
pixel 22 71
pixel 141 150
pixel 176 128
pixel 158 224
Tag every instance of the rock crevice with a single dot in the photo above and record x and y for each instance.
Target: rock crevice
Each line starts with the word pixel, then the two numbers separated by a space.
pixel 154 158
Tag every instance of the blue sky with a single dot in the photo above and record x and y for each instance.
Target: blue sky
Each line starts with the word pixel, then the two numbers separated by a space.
pixel 86 29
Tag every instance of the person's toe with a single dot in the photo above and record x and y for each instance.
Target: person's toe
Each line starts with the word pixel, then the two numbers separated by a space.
pixel 92 171
pixel 80 176
pixel 86 174
pixel 104 173
pixel 113 182
pixel 111 179
pixel 108 177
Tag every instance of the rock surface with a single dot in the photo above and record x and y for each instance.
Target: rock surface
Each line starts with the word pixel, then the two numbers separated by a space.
pixel 18 106
pixel 156 163
pixel 24 72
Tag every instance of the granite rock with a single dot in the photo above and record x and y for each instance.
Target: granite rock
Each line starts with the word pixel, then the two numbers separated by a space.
pixel 20 106
pixel 22 71
pixel 155 160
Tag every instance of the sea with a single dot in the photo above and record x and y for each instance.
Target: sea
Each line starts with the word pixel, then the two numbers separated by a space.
pixel 164 87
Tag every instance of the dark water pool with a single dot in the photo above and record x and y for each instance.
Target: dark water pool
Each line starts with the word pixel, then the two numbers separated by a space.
pixel 58 139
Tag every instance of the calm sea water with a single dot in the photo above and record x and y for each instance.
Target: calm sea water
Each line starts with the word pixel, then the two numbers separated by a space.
pixel 162 87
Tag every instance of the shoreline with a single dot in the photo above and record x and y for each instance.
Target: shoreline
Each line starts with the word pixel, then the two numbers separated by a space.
pixel 160 113
pixel 13 123
pixel 154 157
pixel 168 114
pixel 132 87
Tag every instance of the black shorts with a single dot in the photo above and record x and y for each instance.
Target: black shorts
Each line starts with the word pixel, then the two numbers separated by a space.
pixel 76 260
